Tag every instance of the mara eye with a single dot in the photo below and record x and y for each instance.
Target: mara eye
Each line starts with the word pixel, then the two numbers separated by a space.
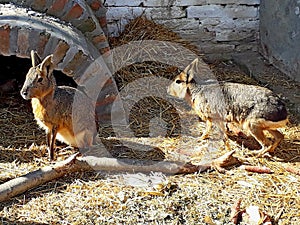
pixel 178 81
pixel 40 79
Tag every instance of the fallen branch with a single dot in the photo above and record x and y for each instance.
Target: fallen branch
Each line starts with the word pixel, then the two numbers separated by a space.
pixel 256 169
pixel 90 163
pixel 33 179
pixel 293 170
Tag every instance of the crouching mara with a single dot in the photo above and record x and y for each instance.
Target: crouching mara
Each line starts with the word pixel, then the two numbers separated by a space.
pixel 52 107
pixel 253 108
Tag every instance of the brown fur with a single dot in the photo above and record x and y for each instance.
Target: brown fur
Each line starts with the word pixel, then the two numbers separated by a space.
pixel 252 108
pixel 53 107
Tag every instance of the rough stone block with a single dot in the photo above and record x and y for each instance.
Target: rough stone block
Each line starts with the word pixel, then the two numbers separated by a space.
pixel 205 11
pixel 236 2
pixel 189 2
pixel 241 23
pixel 165 13
pixel 251 46
pixel 209 22
pixel 215 48
pixel 157 3
pixel 217 11
pixel 234 11
pixel 117 13
pixel 233 35
pixel 123 2
pixel 199 35
pixel 180 24
pixel 113 29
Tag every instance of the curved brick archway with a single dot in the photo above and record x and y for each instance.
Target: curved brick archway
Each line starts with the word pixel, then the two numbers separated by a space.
pixel 89 17
pixel 66 29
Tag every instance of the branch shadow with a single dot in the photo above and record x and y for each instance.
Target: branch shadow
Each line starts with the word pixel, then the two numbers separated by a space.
pixel 146 154
pixel 287 151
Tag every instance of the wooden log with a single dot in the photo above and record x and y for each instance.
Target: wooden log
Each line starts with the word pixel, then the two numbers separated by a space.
pixel 33 179
pixel 75 163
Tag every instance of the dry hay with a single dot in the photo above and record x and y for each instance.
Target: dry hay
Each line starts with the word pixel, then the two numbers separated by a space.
pixel 144 29
pixel 98 198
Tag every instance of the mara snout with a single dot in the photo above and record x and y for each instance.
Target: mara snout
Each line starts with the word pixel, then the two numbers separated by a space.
pixel 253 108
pixel 52 107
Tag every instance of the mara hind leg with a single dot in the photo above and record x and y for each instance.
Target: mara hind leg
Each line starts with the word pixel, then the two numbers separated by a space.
pixel 257 132
pixel 278 137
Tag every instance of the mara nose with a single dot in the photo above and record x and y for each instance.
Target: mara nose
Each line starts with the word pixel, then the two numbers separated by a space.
pixel 24 94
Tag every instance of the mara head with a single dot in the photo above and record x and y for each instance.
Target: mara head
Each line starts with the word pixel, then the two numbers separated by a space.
pixel 178 88
pixel 39 79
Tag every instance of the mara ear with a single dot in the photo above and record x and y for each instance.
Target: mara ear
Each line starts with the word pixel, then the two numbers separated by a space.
pixel 190 70
pixel 47 65
pixel 189 76
pixel 35 58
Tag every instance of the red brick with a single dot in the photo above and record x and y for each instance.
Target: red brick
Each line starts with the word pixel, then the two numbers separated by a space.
pixel 39 5
pixel 105 51
pixel 4 40
pixel 87 25
pixel 109 82
pixel 95 5
pixel 60 51
pixel 76 62
pixel 57 6
pixel 43 40
pixel 99 39
pixel 74 13
pixel 103 21
pixel 23 42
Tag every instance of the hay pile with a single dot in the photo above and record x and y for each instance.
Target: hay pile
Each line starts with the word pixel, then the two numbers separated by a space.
pixel 98 198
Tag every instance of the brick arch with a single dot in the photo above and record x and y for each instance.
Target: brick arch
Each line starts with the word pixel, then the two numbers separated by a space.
pixel 88 16
pixel 23 29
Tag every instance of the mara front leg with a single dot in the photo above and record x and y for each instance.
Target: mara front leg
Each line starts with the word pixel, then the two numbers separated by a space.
pixel 278 137
pixel 207 130
pixel 51 137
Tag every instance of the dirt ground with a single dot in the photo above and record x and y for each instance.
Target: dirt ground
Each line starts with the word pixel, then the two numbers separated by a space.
pixel 153 198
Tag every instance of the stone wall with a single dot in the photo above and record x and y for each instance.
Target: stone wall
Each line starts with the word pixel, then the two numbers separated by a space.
pixel 279 31
pixel 216 26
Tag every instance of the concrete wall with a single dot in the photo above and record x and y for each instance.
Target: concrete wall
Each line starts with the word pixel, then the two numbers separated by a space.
pixel 216 26
pixel 280 35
